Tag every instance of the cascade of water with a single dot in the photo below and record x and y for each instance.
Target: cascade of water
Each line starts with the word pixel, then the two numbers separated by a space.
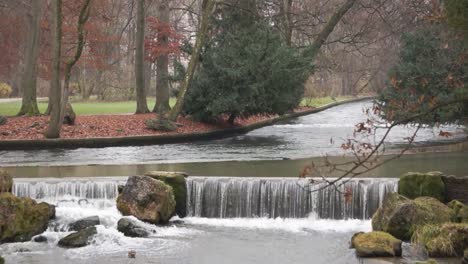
pixel 55 190
pixel 223 197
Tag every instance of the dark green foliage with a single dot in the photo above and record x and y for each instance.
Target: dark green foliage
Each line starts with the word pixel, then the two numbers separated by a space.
pixel 457 13
pixel 432 70
pixel 246 69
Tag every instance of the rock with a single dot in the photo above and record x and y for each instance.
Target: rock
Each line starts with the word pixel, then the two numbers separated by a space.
pixel 2 260
pixel 78 239
pixel 443 240
pixel 465 257
pixel 177 181
pixel 147 199
pixel 22 218
pixel 84 223
pixel 376 244
pixel 131 254
pixel 400 216
pixel 460 211
pixel 6 181
pixel 69 116
pixel 120 188
pixel 40 239
pixel 3 120
pixel 131 229
pixel 456 188
pixel 161 124
pixel 415 184
pixel 22 250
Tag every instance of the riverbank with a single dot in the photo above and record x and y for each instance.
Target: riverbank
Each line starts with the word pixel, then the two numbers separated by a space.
pixel 129 130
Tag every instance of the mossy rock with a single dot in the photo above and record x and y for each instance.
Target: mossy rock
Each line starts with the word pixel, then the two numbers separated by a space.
pixel 161 124
pixel 2 260
pixel 415 184
pixel 3 121
pixel 178 183
pixel 401 216
pixel 443 240
pixel 460 211
pixel 78 239
pixel 376 244
pixel 6 181
pixel 22 218
pixel 147 199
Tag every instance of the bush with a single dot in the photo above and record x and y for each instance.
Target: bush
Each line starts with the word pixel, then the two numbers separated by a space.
pixel 5 90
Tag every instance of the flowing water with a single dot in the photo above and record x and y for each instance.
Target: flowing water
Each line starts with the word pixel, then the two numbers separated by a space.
pixel 304 137
pixel 270 220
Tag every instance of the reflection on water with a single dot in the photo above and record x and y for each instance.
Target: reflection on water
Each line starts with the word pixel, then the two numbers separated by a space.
pixel 307 136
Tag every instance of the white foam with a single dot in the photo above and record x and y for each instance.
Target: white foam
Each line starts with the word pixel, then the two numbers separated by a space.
pixel 289 224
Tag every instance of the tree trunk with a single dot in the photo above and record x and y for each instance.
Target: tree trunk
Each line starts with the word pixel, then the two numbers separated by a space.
pixel 142 106
pixel 53 131
pixel 162 65
pixel 58 111
pixel 314 49
pixel 29 102
pixel 207 6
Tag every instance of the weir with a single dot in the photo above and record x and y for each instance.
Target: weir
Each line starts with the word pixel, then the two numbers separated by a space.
pixel 231 197
pixel 285 197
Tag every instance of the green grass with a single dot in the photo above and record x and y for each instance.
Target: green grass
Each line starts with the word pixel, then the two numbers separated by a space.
pixel 85 107
pixel 97 107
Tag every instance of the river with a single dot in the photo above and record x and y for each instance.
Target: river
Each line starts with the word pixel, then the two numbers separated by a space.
pixel 262 217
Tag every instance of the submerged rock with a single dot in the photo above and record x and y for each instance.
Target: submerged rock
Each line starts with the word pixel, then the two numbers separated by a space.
pixel 179 186
pixel 415 184
pixel 400 216
pixel 131 229
pixel 443 240
pixel 6 181
pixel 78 239
pixel 147 199
pixel 84 223
pixel 40 239
pixel 376 244
pixel 22 218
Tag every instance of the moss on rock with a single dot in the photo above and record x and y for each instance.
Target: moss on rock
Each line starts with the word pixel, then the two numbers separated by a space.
pixel 415 184
pixel 22 218
pixel 401 216
pixel 2 260
pixel 460 211
pixel 376 244
pixel 179 186
pixel 443 240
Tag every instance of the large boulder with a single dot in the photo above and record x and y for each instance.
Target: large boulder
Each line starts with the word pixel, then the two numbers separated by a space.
pixel 400 216
pixel 22 218
pixel 415 184
pixel 131 229
pixel 6 181
pixel 78 239
pixel 178 183
pixel 147 199
pixel 376 244
pixel 460 211
pixel 443 240
pixel 456 188
pixel 84 223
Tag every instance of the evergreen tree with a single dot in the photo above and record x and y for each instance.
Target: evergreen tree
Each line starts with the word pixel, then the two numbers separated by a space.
pixel 246 69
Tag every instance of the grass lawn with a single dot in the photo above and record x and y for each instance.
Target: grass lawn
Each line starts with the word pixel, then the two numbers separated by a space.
pixel 95 107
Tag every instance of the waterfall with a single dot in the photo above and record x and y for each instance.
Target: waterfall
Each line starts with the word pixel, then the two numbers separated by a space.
pixel 223 197
pixel 56 190
pixel 229 197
